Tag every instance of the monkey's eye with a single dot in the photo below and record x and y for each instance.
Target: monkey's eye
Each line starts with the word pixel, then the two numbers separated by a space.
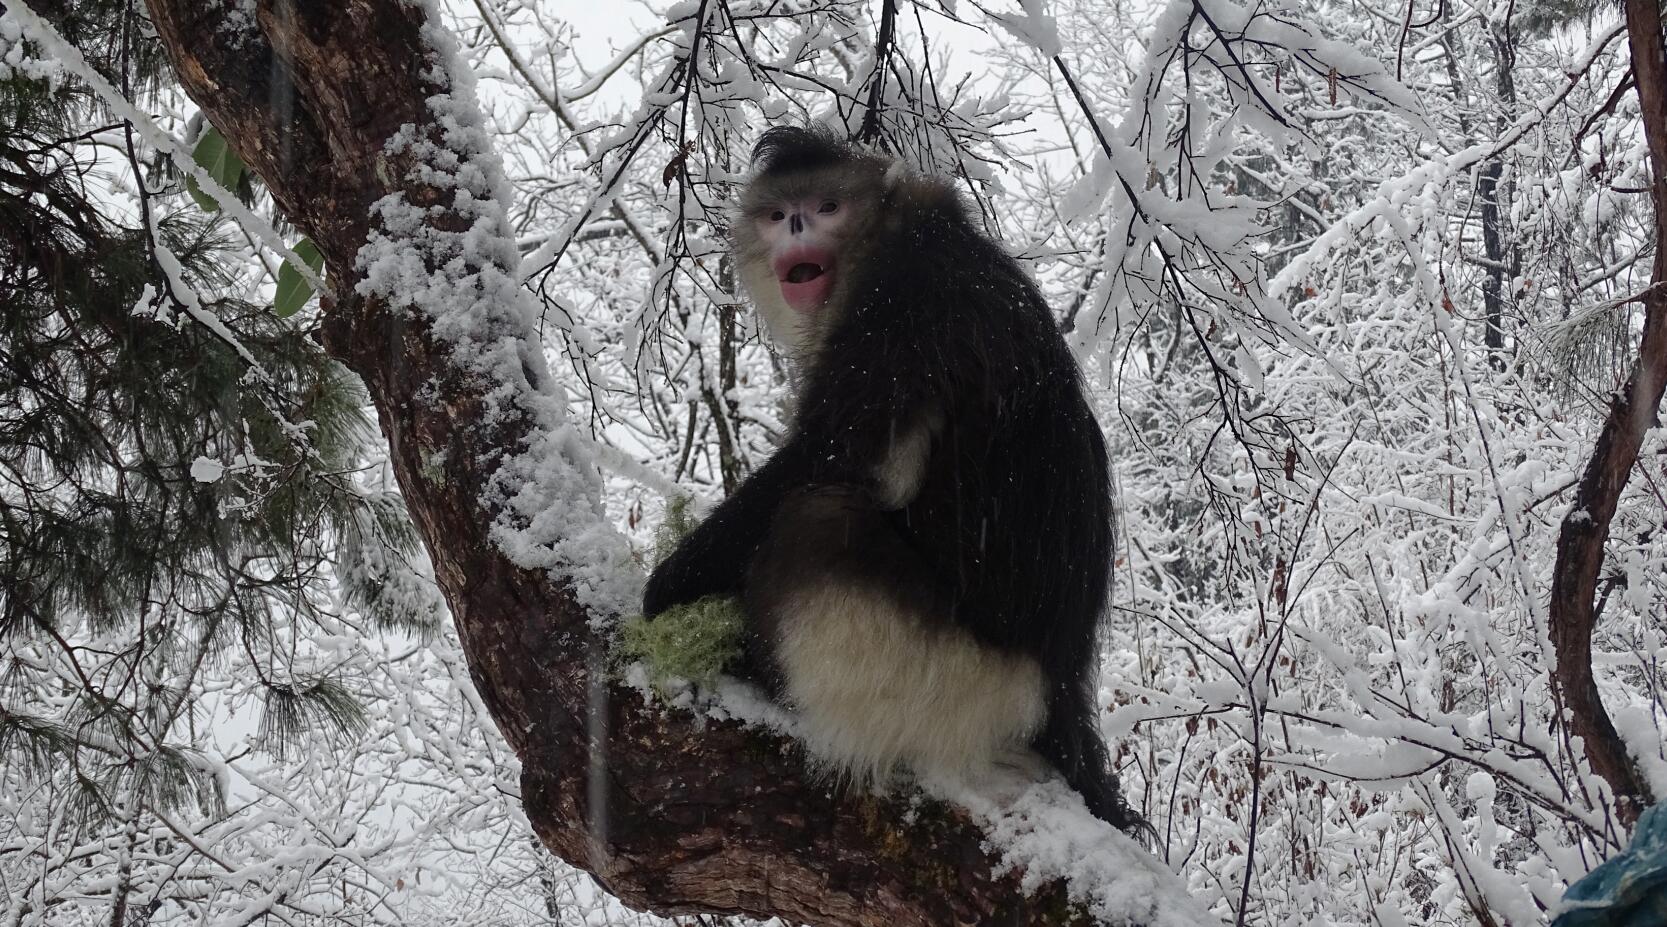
pixel 829 207
pixel 777 216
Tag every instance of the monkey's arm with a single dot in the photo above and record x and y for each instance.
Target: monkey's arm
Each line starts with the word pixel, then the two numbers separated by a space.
pixel 903 366
pixel 713 559
pixel 844 430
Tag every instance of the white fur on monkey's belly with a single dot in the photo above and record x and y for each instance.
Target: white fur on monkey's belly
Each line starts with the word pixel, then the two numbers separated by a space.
pixel 875 686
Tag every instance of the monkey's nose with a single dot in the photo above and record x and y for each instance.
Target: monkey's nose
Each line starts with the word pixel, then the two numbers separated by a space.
pixel 795 224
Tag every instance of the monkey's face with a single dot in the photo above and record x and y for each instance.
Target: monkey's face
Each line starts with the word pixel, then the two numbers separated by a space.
pixel 803 236
pixel 798 241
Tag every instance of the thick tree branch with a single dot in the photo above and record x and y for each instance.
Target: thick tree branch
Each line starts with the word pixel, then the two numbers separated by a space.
pixel 670 814
pixel 1632 412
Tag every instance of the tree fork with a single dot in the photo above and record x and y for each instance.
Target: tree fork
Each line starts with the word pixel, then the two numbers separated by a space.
pixel 669 815
pixel 1632 412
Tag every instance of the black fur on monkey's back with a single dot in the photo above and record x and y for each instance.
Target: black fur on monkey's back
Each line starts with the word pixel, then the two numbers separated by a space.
pixel 1010 534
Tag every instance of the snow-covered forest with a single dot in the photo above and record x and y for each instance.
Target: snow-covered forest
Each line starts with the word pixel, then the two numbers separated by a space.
pixel 1362 295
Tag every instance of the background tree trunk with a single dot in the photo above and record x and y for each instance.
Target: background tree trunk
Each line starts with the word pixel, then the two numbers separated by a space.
pixel 1632 412
pixel 669 814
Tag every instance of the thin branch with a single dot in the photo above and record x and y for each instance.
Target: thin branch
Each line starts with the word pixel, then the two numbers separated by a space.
pixel 870 132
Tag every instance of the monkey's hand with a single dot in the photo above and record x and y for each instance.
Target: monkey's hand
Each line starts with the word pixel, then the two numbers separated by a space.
pixel 713 559
pixel 673 582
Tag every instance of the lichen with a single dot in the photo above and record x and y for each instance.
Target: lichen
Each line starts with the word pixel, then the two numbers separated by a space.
pixel 695 641
pixel 433 468
pixel 899 837
pixel 679 521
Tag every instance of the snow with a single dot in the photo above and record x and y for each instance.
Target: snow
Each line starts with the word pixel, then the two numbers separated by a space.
pixel 15 59
pixel 1413 766
pixel 69 57
pixel 1434 172
pixel 1044 828
pixel 240 22
pixel 204 470
pixel 1041 827
pixel 1033 26
pixel 466 285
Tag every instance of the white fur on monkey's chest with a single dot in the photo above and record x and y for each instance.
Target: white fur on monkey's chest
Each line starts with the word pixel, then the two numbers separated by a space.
pixel 876 686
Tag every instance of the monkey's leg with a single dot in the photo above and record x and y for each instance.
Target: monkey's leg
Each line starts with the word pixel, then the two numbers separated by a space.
pixel 857 632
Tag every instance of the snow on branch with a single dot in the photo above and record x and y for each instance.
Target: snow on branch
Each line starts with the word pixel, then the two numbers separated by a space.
pixel 1196 242
pixel 1436 172
pixel 464 280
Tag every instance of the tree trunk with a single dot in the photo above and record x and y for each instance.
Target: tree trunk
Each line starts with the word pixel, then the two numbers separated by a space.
pixel 670 814
pixel 1501 259
pixel 1632 411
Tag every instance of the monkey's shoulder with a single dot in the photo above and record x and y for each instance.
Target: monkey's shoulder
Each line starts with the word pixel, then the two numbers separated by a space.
pixel 920 192
pixel 917 204
pixel 938 228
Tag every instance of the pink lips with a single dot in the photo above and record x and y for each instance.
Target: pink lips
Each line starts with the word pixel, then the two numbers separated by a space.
pixel 805 274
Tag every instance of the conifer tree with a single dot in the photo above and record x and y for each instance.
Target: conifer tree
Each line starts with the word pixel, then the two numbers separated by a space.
pixel 185 477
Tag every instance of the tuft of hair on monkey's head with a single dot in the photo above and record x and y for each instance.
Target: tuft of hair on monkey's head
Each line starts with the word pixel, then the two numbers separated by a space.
pixel 789 160
pixel 817 148
pixel 785 149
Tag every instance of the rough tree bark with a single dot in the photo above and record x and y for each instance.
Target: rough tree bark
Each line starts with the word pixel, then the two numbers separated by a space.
pixel 670 815
pixel 1632 411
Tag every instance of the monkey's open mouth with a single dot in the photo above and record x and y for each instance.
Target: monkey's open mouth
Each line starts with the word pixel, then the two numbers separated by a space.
pixel 804 272
pixel 806 277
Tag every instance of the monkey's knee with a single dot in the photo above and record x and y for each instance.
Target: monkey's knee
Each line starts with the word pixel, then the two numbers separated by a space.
pixel 828 520
pixel 834 535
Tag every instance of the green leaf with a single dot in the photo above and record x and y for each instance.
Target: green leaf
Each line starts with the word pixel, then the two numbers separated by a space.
pixel 293 290
pixel 217 158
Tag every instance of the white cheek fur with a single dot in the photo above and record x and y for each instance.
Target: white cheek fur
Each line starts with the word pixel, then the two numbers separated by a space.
pixel 789 329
